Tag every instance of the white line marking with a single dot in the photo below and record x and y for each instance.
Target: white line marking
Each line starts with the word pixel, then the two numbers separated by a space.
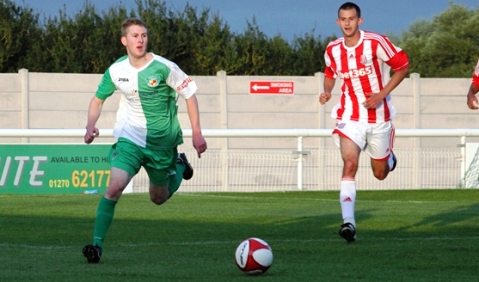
pixel 207 243
pixel 316 200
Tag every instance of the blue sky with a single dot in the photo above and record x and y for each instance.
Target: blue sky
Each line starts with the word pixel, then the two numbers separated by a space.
pixel 287 18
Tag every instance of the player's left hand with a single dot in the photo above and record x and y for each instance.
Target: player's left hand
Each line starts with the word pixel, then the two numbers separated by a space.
pixel 199 143
pixel 472 102
pixel 372 100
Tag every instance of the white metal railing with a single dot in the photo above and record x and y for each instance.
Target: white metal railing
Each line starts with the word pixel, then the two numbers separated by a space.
pixel 219 133
pixel 258 133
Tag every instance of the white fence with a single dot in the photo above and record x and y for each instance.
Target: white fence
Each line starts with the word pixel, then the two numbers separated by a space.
pixel 292 169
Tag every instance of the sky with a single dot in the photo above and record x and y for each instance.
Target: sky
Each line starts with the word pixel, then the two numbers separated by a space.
pixel 286 18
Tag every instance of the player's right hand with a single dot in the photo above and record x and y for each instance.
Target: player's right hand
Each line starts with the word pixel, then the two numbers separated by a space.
pixel 324 97
pixel 91 134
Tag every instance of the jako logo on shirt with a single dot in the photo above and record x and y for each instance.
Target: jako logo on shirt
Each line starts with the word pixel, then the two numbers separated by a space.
pixel 153 81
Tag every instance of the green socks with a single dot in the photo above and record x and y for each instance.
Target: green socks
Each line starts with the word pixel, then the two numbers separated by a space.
pixel 104 218
pixel 175 180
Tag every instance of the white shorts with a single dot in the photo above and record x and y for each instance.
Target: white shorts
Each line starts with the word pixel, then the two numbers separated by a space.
pixel 377 140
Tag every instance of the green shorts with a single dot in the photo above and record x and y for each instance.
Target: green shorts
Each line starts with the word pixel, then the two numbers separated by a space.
pixel 158 164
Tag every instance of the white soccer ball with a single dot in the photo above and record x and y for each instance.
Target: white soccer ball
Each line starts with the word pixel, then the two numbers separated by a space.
pixel 254 256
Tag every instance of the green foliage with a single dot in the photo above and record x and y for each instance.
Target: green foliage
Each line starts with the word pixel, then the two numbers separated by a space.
pixel 309 55
pixel 447 46
pixel 402 236
pixel 87 43
pixel 198 41
pixel 252 51
pixel 201 43
pixel 19 32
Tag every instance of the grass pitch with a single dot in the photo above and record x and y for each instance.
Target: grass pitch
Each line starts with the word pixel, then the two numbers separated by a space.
pixel 402 236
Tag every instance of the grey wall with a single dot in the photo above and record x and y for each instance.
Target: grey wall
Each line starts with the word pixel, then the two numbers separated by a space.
pixel 57 100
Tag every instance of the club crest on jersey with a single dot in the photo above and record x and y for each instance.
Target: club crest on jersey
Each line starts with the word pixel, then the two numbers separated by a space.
pixel 153 81
pixel 366 60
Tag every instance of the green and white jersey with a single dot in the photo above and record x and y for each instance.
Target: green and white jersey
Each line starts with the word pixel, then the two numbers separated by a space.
pixel 147 114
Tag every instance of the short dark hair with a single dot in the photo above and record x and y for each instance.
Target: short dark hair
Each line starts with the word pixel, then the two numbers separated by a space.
pixel 349 6
pixel 129 22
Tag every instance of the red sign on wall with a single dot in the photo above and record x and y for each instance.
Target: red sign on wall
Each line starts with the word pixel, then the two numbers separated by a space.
pixel 271 87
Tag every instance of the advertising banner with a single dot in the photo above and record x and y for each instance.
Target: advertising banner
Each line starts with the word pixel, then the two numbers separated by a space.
pixel 54 168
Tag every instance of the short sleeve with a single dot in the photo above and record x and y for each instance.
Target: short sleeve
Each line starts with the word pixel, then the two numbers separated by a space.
pixel 184 85
pixel 475 76
pixel 328 70
pixel 392 55
pixel 106 86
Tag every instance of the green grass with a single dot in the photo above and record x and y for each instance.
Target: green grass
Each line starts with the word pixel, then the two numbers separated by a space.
pixel 402 236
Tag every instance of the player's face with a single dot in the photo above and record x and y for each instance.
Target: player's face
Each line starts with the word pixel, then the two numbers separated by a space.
pixel 349 22
pixel 136 41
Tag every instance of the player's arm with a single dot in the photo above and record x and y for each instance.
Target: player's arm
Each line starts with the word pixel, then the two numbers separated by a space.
pixel 105 90
pixel 399 63
pixel 328 87
pixel 94 112
pixel 329 78
pixel 199 142
pixel 471 96
pixel 396 78
pixel 186 87
pixel 374 99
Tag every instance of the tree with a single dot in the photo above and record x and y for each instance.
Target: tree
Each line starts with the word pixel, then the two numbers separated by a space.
pixel 86 43
pixel 19 31
pixel 447 46
pixel 309 55
pixel 200 42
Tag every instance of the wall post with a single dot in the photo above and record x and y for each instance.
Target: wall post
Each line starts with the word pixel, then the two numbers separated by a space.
pixel 223 90
pixel 25 97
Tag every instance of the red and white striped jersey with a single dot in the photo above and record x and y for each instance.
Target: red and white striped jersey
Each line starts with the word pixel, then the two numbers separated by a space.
pixel 475 76
pixel 364 68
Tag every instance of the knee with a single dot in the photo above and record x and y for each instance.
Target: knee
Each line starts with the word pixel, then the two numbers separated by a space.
pixel 350 167
pixel 380 174
pixel 113 193
pixel 159 196
pixel 158 200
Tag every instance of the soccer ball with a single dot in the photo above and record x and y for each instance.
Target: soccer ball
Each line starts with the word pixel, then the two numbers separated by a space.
pixel 254 256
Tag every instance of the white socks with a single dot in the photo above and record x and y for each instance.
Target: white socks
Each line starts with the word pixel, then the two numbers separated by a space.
pixel 347 198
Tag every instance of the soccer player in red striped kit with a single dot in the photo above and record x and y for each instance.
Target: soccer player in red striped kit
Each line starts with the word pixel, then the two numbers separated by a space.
pixel 473 89
pixel 362 61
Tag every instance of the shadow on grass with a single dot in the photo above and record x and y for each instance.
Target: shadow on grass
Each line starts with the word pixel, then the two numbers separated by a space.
pixel 461 218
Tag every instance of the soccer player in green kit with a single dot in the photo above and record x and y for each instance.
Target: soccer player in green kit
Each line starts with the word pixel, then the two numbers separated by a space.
pixel 147 128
